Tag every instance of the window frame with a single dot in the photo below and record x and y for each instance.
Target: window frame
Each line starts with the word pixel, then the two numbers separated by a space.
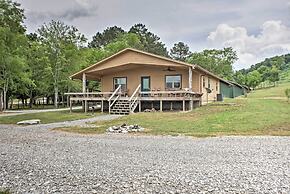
pixel 114 78
pixel 203 82
pixel 217 86
pixel 208 83
pixel 166 88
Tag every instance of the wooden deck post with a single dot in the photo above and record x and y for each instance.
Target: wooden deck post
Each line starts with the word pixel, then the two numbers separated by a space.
pixel 140 106
pixel 86 106
pixel 190 85
pixel 190 78
pixel 84 91
pixel 161 106
pixel 183 105
pixel 102 106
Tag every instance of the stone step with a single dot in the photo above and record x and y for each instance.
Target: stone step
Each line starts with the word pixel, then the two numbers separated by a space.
pixel 118 112
pixel 122 103
pixel 122 106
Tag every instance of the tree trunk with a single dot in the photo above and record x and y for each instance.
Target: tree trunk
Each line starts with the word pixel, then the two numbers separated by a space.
pixel 30 100
pixel 4 99
pixel 55 97
pixel 1 101
pixel 62 100
pixel 22 99
pixel 11 103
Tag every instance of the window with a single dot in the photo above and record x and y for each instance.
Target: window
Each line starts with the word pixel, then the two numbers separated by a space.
pixel 203 82
pixel 217 86
pixel 173 81
pixel 120 81
pixel 208 83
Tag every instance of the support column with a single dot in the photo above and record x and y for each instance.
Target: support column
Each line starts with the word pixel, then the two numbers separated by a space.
pixel 161 106
pixel 183 105
pixel 140 106
pixel 190 85
pixel 84 91
pixel 84 83
pixel 190 78
pixel 86 106
pixel 102 106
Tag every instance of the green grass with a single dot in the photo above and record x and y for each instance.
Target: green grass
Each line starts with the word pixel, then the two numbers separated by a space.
pixel 242 116
pixel 275 92
pixel 285 76
pixel 46 117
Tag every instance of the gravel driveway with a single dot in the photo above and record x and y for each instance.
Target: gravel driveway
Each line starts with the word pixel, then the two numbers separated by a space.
pixel 43 161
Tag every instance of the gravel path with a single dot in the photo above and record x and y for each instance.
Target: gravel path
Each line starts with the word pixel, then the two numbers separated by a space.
pixel 34 160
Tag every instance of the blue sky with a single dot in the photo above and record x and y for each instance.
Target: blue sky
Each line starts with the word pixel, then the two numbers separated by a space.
pixel 255 28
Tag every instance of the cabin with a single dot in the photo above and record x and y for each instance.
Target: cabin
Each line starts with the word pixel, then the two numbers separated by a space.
pixel 133 80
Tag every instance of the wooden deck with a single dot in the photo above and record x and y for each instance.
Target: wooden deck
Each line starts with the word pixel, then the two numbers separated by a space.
pixel 137 98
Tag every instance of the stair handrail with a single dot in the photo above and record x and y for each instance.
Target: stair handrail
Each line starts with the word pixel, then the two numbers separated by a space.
pixel 114 93
pixel 135 95
pixel 135 92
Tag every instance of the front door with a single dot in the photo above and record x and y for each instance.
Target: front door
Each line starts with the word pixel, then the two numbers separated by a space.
pixel 145 84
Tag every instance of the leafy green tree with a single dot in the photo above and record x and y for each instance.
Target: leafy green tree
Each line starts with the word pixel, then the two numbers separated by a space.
pixel 240 78
pixel 62 43
pixel 180 51
pixel 151 42
pixel 107 36
pixel 12 47
pixel 38 69
pixel 126 40
pixel 254 79
pixel 274 75
pixel 217 61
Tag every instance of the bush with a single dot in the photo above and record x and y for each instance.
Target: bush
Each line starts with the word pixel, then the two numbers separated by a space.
pixel 6 191
pixel 287 93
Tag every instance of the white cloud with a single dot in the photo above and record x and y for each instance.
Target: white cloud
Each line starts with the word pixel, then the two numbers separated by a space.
pixel 273 39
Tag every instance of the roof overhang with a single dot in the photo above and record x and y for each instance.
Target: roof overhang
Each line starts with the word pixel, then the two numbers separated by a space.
pixel 137 57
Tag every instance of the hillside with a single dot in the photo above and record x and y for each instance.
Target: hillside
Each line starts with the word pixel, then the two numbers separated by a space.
pixel 281 62
pixel 266 73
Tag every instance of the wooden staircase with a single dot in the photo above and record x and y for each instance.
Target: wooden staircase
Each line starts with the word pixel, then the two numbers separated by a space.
pixel 123 106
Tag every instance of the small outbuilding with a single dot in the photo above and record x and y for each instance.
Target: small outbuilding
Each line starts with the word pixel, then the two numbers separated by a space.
pixel 230 89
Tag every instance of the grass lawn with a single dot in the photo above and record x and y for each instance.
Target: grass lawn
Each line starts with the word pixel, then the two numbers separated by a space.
pixel 248 116
pixel 46 117
pixel 272 92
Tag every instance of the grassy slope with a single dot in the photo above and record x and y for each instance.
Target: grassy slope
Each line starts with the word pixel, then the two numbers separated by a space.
pixel 249 116
pixel 45 117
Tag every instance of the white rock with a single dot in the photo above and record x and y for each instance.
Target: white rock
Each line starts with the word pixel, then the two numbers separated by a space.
pixel 29 122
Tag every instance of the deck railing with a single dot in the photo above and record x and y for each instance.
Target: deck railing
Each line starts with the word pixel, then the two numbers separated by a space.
pixel 170 94
pixel 109 95
pixel 134 99
pixel 91 95
pixel 116 93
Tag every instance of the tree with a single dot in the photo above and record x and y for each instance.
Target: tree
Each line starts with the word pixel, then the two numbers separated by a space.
pixel 62 43
pixel 107 36
pixel 273 75
pixel 151 42
pixel 217 61
pixel 180 51
pixel 254 79
pixel 12 45
pixel 38 68
pixel 240 78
